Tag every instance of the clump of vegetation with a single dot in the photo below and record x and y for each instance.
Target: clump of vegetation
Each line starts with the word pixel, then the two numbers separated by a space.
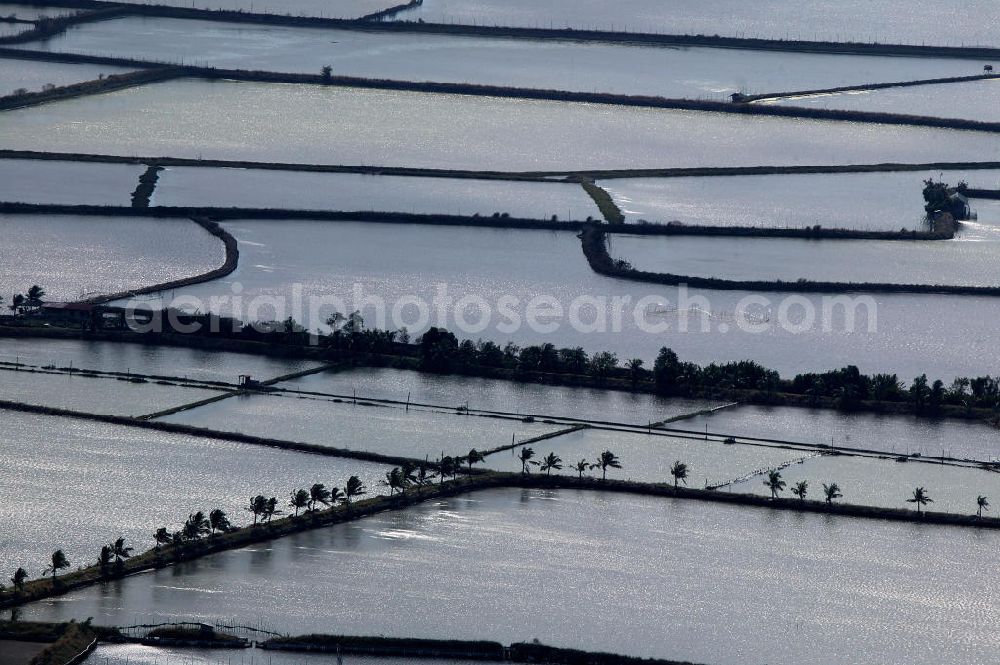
pixel 940 198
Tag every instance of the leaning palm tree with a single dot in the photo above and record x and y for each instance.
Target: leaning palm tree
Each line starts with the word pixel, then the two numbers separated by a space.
pixel 983 503
pixel 831 492
pixel 679 471
pixel 393 480
pixel 448 467
pixel 336 495
pixel 355 488
pixel 424 476
pixel 104 559
pixel 774 483
pixel 920 498
pixel 581 466
pixel 196 526
pixel 549 462
pixel 800 489
pixel 57 563
pixel 162 537
pixel 219 521
pixel 271 508
pixel 121 552
pixel 19 578
pixel 525 456
pixel 298 499
pixel 258 506
pixel 607 460
pixel 318 493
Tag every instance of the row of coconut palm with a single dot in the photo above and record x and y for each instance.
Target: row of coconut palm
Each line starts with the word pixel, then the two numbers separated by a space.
pixel 552 462
pixel 920 497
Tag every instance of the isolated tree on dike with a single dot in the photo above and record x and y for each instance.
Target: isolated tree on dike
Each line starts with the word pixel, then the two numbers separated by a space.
pixel 121 552
pixel 983 504
pixel 258 506
pixel 19 578
pixel 774 483
pixel 581 466
pixel 831 492
pixel 920 498
pixel 355 488
pixel 679 471
pixel 57 563
pixel 474 457
pixel 801 489
pixel 525 456
pixel 298 499
pixel 219 521
pixel 608 460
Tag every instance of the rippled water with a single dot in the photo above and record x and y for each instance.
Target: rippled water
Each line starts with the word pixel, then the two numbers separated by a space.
pixel 32 74
pixel 386 430
pixel 495 395
pixel 274 122
pixel 920 22
pixel 80 256
pixel 648 457
pixel 321 8
pixel 243 188
pixel 894 434
pixel 979 100
pixel 787 259
pixel 643 576
pixel 95 395
pixel 912 334
pixel 150 360
pixel 137 654
pixel 879 201
pixel 78 484
pixel 885 482
pixel 69 183
pixel 565 65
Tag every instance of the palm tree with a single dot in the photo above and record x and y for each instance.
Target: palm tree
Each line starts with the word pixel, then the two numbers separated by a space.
pixel 336 495
pixel 393 480
pixel 57 563
pixel 983 504
pixel 424 475
pixel 607 460
pixel 219 521
pixel 121 552
pixel 34 296
pixel 258 506
pixel 801 489
pixel 525 456
pixel 831 491
pixel 271 508
pixel 20 576
pixel 474 457
pixel 549 462
pixel 679 471
pixel 920 497
pixel 448 467
pixel 196 526
pixel 774 483
pixel 355 488
pixel 581 466
pixel 162 537
pixel 318 493
pixel 298 500
pixel 104 559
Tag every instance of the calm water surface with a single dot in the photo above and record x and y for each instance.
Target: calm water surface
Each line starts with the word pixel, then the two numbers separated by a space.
pixel 912 334
pixel 82 256
pixel 150 360
pixel 565 65
pixel 494 395
pixel 95 395
pixel 32 74
pixel 877 201
pixel 276 122
pixel 852 20
pixel 31 12
pixel 247 188
pixel 601 572
pixel 68 183
pixel 322 8
pixel 789 259
pixel 978 100
pixel 82 476
pixel 386 430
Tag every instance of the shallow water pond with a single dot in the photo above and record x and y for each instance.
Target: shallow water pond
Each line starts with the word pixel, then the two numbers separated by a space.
pixel 33 75
pixel 68 183
pixel 91 483
pixel 599 571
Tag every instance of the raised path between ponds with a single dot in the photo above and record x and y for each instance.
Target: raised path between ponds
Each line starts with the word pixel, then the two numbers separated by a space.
pixel 603 36
pixel 158 558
